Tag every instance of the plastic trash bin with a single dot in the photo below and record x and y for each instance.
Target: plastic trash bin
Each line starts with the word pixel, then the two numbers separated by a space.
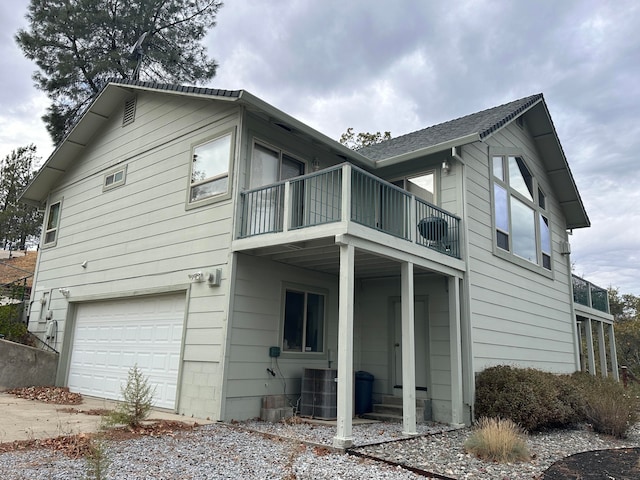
pixel 364 392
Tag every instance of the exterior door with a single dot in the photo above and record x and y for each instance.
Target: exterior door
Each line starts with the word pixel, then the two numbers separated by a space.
pixel 421 331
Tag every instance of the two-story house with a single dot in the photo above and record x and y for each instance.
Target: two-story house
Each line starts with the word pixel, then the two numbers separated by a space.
pixel 215 241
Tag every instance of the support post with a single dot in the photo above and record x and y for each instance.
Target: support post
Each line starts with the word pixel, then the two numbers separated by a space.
pixel 344 436
pixel 591 361
pixel 613 353
pixel 455 342
pixel 602 350
pixel 408 351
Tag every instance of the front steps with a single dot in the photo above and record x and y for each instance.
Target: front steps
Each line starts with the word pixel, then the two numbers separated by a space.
pixel 390 410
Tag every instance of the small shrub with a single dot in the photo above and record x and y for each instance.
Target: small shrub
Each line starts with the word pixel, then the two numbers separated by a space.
pixel 97 461
pixel 10 326
pixel 497 440
pixel 531 398
pixel 137 397
pixel 608 407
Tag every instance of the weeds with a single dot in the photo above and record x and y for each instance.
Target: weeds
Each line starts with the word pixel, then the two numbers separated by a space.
pixel 97 460
pixel 497 440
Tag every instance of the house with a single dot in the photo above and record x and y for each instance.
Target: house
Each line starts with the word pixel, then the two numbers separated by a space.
pixel 225 247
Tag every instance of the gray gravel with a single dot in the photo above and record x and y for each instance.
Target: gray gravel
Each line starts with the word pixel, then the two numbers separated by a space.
pixel 221 451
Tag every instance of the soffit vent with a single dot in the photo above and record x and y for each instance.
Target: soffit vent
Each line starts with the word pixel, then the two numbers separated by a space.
pixel 129 111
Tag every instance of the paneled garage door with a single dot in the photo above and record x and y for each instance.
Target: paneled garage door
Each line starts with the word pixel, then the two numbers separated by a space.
pixel 112 336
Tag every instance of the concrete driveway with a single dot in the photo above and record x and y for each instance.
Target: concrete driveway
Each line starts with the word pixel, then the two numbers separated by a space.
pixel 22 419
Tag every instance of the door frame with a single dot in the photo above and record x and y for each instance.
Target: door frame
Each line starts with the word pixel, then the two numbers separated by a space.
pixel 394 387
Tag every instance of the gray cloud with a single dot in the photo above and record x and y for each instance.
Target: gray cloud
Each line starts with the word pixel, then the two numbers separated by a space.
pixel 404 65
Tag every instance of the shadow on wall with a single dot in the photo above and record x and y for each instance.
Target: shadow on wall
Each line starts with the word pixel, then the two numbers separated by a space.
pixel 24 366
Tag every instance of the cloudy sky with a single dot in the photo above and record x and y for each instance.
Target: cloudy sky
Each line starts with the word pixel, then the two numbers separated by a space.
pixel 405 65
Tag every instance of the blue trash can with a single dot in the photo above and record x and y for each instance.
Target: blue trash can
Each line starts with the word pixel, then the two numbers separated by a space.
pixel 364 392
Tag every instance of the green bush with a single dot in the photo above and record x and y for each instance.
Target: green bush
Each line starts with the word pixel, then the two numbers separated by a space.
pixel 531 398
pixel 10 327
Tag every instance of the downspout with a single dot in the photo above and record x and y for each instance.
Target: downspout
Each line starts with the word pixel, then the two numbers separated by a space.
pixel 466 330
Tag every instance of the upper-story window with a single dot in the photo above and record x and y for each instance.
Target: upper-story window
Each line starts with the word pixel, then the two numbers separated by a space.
pixel 51 226
pixel 520 212
pixel 210 166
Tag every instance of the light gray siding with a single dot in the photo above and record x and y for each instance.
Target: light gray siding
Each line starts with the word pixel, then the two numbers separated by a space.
pixel 257 325
pixel 518 316
pixel 140 239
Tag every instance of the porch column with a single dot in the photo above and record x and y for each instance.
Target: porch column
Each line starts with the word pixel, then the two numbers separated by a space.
pixel 602 350
pixel 455 342
pixel 613 353
pixel 591 361
pixel 408 351
pixel 344 437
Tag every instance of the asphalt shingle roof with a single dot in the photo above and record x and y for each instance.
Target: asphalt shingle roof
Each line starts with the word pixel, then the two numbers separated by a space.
pixel 482 123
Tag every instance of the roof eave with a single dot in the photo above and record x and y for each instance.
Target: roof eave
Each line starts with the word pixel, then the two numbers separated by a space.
pixel 422 152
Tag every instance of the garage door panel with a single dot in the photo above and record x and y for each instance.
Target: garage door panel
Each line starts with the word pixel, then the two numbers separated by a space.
pixel 110 337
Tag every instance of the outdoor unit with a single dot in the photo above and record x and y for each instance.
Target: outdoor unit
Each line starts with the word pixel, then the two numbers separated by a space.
pixel 319 393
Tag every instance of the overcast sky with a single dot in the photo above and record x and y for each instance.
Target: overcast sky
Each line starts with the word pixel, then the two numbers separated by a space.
pixel 405 65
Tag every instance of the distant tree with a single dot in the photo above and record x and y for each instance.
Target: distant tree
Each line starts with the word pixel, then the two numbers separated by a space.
pixel 355 141
pixel 79 44
pixel 18 222
pixel 625 309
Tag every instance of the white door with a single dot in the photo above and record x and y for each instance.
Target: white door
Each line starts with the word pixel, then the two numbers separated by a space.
pixel 112 336
pixel 421 332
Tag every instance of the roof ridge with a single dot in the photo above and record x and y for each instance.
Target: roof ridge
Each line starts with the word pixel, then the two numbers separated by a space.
pixel 529 101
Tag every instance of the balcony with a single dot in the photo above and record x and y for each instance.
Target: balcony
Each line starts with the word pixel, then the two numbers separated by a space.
pixel 344 194
pixel 589 295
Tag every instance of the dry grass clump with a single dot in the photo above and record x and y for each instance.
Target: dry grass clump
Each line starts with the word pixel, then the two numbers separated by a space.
pixel 497 440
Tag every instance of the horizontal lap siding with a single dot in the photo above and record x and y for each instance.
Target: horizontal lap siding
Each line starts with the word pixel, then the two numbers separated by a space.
pixel 140 236
pixel 518 316
pixel 256 326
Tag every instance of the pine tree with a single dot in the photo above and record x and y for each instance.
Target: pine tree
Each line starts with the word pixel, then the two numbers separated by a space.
pixel 79 44
pixel 18 222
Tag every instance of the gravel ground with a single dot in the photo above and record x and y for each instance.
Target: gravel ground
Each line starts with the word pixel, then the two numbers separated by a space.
pixel 221 451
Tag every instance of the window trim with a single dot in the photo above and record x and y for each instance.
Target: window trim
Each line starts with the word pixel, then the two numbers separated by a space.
pixel 114 184
pixel 306 289
pixel 56 229
pixel 215 198
pixel 539 212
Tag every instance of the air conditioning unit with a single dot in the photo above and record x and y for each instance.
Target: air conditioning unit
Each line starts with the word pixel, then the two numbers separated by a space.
pixel 319 393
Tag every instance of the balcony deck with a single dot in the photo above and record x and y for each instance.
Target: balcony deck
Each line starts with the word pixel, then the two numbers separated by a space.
pixel 314 209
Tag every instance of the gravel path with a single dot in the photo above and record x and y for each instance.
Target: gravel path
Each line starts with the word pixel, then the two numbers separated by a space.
pixel 221 451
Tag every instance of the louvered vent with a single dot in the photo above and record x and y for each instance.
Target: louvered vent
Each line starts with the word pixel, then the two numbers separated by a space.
pixel 129 111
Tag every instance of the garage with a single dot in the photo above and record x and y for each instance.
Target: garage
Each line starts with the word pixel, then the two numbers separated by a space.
pixel 112 336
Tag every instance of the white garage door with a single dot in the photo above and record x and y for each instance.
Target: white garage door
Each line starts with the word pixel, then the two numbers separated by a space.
pixel 112 336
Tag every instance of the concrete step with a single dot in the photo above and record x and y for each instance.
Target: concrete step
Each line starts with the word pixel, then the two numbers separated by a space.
pixel 383 417
pixel 394 400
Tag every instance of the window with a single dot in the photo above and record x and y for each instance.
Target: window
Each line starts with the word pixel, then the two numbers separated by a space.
pixel 303 322
pixel 519 209
pixel 51 227
pixel 210 168
pixel 114 179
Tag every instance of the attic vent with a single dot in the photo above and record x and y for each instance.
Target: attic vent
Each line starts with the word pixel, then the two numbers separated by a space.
pixel 129 111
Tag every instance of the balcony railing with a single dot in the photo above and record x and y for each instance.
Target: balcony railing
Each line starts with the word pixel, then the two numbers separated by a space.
pixel 587 294
pixel 319 198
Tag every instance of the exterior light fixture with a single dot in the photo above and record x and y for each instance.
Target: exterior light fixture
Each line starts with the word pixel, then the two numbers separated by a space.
pixel 64 292
pixel 196 277
pixel 315 164
pixel 446 167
